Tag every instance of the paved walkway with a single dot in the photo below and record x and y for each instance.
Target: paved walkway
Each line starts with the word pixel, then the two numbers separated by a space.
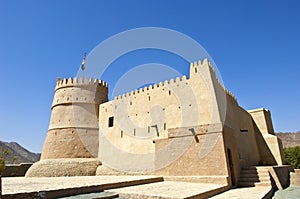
pixel 167 189
pixel 21 184
pixel 245 193
pixel 146 186
pixel 13 187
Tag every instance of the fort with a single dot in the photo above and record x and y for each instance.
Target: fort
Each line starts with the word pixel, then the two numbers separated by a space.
pixel 190 129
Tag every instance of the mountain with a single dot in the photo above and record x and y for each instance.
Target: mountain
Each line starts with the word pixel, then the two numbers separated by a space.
pixel 289 139
pixel 24 156
pixel 21 154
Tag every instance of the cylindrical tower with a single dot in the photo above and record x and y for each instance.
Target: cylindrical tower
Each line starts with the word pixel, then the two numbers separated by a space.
pixel 73 130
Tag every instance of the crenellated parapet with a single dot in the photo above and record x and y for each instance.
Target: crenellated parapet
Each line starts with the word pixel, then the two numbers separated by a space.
pixel 196 67
pixel 166 83
pixel 73 128
pixel 79 90
pixel 77 82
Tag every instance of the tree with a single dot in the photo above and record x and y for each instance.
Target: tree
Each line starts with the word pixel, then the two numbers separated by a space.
pixel 292 156
pixel 5 152
pixel 15 159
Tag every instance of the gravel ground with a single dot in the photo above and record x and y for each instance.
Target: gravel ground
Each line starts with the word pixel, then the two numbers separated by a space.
pixel 292 192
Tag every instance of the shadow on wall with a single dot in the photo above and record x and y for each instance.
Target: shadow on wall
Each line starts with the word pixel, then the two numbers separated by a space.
pixel 16 170
pixel 266 156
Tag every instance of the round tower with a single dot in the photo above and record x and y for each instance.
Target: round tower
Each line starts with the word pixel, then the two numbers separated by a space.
pixel 73 130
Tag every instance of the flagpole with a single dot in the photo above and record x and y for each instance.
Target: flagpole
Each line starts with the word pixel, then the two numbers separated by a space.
pixel 83 65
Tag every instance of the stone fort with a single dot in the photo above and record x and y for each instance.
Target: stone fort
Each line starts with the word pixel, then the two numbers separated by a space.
pixel 188 129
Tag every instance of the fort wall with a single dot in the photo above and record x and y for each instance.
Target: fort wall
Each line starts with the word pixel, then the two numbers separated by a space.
pixel 143 118
pixel 271 150
pixel 73 129
pixel 189 129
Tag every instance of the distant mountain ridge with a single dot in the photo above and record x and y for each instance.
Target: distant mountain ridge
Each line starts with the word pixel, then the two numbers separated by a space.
pixel 289 139
pixel 24 156
pixel 21 154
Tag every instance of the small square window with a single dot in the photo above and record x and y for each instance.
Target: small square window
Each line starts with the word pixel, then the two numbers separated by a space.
pixel 110 121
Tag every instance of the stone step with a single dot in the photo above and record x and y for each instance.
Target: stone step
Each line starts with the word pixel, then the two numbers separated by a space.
pixel 257 167
pixel 253 180
pixel 253 184
pixel 253 175
pixel 255 170
pixel 267 178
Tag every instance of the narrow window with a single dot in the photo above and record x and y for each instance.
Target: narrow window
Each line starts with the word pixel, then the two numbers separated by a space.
pixel 149 98
pixel 244 130
pixel 165 126
pixel 169 92
pixel 121 134
pixel 148 129
pixel 195 70
pixel 110 121
pixel 134 132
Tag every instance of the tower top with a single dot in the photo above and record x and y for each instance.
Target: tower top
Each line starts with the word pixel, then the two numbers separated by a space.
pixel 71 82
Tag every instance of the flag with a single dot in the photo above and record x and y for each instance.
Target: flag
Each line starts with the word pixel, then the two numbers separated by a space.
pixel 83 62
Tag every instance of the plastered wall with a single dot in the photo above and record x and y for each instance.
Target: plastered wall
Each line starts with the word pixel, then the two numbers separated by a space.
pixel 73 129
pixel 143 118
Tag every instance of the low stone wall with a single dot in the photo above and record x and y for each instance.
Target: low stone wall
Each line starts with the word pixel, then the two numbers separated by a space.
pixel 16 170
pixel 280 174
pixel 224 180
pixel 106 171
pixel 64 167
pixel 295 178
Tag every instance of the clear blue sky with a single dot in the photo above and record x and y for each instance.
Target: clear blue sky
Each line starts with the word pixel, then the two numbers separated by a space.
pixel 255 44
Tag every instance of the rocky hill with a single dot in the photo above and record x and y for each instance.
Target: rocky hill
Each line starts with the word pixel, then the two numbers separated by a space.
pixel 24 156
pixel 21 154
pixel 289 139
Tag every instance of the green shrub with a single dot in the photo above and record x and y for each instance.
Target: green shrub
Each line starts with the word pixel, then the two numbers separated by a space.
pixel 5 152
pixel 292 156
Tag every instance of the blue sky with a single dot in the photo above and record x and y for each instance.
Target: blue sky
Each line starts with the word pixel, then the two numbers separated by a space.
pixel 255 45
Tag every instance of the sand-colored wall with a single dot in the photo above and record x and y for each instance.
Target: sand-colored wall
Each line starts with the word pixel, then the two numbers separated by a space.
pixel 184 103
pixel 262 118
pixel 204 156
pixel 270 147
pixel 239 138
pixel 143 120
pixel 275 146
pixel 240 127
pixel 73 128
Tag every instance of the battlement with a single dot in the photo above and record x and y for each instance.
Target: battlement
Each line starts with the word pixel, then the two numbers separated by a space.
pixel 228 92
pixel 200 63
pixel 154 86
pixel 196 65
pixel 70 82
